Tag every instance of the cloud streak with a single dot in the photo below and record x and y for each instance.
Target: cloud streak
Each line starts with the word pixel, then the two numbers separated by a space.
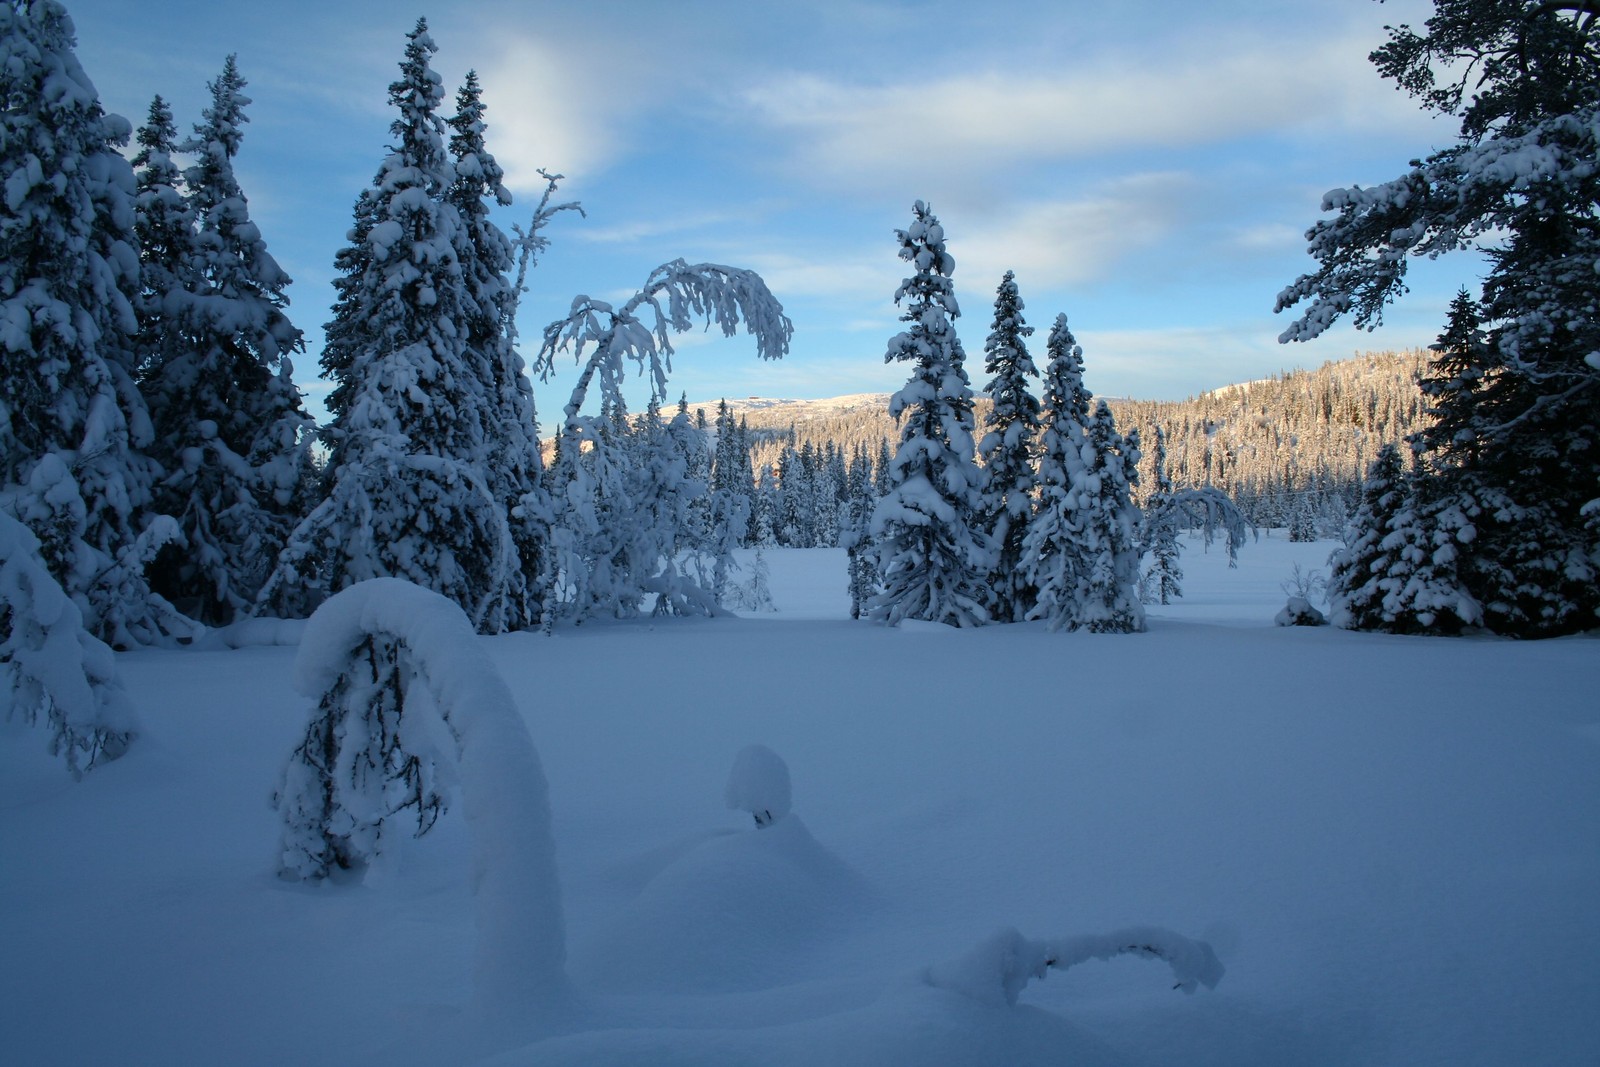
pixel 988 122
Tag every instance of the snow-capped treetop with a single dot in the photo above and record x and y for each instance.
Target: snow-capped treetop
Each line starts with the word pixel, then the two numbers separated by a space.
pixel 759 784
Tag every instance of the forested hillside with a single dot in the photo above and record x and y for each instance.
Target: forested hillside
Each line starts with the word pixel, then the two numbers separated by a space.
pixel 1291 447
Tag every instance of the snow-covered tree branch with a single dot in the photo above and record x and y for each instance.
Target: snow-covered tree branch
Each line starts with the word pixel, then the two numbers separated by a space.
pixel 51 668
pixel 996 971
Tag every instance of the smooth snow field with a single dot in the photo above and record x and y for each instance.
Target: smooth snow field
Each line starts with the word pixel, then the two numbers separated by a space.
pixel 1392 844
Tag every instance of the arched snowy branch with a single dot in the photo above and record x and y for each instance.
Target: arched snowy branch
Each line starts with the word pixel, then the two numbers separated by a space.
pixel 1207 508
pixel 671 299
pixel 364 654
pixel 996 971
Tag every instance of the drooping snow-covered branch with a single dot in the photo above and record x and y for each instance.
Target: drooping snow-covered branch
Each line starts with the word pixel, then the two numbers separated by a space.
pixel 51 668
pixel 996 971
pixel 671 299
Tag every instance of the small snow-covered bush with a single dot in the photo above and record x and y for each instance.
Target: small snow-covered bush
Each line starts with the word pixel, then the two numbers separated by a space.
pixel 1299 612
pixel 759 784
pixel 51 668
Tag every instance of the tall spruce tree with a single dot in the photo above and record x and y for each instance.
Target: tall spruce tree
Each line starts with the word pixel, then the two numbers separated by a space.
pixel 1515 398
pixel 230 431
pixel 1006 495
pixel 1054 552
pixel 1163 582
pixel 1105 598
pixel 409 495
pixel 514 468
pixel 932 558
pixel 72 466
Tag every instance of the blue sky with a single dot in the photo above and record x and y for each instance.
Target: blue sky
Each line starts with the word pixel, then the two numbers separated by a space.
pixel 1146 167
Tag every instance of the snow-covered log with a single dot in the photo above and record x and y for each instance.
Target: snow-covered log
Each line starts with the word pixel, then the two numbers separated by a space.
pixel 379 656
pixel 51 668
pixel 996 971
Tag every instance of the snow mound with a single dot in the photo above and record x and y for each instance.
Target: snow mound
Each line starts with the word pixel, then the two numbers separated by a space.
pixel 728 913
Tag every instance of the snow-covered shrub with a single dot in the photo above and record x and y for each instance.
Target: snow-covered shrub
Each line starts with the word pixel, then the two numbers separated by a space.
pixel 408 704
pixel 759 784
pixel 1300 587
pixel 1299 612
pixel 996 971
pixel 51 668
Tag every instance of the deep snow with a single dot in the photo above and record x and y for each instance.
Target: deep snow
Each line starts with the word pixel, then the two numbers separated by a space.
pixel 1393 845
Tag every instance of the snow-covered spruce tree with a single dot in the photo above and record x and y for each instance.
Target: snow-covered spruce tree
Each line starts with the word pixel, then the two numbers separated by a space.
pixel 932 558
pixel 72 467
pixel 1054 556
pixel 1163 582
pixel 414 412
pixel 231 434
pixel 514 469
pixel 407 702
pixel 1359 570
pixel 856 535
pixel 729 515
pixel 1515 408
pixel 1006 495
pixel 164 224
pixel 51 669
pixel 585 537
pixel 1105 598
pixel 1397 573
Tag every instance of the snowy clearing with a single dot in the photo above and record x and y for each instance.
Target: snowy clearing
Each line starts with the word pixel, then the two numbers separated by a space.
pixel 1392 844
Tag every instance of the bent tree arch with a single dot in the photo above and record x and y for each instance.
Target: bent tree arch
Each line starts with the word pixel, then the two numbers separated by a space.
pixel 407 701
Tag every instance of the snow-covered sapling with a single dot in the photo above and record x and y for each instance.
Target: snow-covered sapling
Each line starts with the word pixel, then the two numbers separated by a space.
pixel 404 686
pixel 996 971
pixel 759 784
pixel 1300 587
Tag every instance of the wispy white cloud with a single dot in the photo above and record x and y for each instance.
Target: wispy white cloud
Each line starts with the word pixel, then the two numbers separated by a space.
pixel 1071 240
pixel 1212 89
pixel 563 106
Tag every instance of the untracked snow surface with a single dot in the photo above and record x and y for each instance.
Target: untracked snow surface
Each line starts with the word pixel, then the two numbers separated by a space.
pixel 1391 846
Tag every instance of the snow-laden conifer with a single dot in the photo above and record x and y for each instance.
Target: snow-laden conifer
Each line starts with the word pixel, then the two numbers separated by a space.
pixel 1006 496
pixel 1106 596
pixel 730 497
pixel 1163 582
pixel 856 535
pixel 410 494
pixel 230 432
pixel 513 467
pixel 72 466
pixel 1359 570
pixel 1054 548
pixel 52 671
pixel 932 558
pixel 1514 402
pixel 1398 571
